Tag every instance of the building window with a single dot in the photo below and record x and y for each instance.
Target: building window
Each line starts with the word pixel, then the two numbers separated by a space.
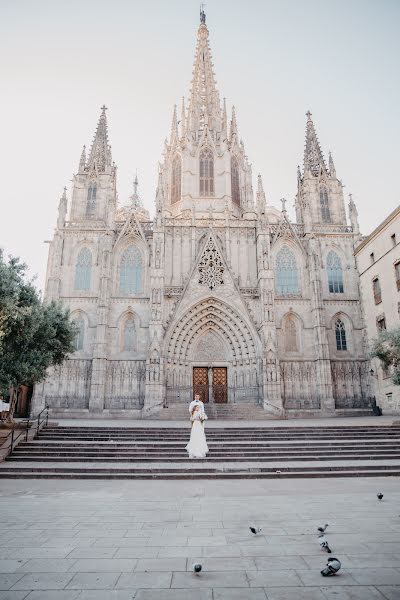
pixel 393 238
pixel 80 333
pixel 335 273
pixel 206 173
pixel 290 335
pixel 381 323
pixel 376 287
pixel 235 181
pixel 176 177
pixel 129 335
pixel 372 258
pixel 341 342
pixel 287 278
pixel 83 269
pixel 324 201
pixel 131 272
pixel 91 199
pixel 397 274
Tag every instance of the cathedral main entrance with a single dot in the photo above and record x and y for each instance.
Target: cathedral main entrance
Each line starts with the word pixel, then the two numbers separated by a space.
pixel 211 383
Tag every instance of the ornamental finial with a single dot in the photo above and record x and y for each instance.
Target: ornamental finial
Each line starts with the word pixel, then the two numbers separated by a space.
pixel 202 14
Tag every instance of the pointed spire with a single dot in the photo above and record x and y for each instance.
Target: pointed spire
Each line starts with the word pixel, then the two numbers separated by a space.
pixel 261 201
pixel 313 157
pixel 224 121
pixel 100 152
pixel 82 161
pixel 62 209
pixel 233 123
pixel 283 200
pixel 135 198
pixel 332 170
pixel 174 126
pixel 204 106
pixel 183 118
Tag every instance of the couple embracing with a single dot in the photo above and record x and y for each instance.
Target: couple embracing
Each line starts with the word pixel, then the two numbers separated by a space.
pixel 197 446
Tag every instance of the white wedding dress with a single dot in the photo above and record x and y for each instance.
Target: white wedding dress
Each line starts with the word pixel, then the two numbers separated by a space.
pixel 197 446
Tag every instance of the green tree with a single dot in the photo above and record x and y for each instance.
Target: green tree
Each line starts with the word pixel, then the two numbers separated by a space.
pixel 386 347
pixel 33 335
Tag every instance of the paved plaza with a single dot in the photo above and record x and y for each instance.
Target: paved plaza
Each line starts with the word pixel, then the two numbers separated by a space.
pixel 123 540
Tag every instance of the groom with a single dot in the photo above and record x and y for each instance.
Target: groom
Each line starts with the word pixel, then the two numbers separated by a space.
pixel 197 402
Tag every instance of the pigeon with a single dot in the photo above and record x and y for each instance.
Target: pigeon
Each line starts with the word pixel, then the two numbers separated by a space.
pixel 324 544
pixel 197 568
pixel 332 567
pixel 323 528
pixel 379 496
pixel 255 530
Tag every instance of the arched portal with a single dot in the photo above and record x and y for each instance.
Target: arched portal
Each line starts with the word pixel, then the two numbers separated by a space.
pixel 212 350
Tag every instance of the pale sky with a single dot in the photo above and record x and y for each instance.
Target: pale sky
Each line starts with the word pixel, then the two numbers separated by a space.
pixel 60 60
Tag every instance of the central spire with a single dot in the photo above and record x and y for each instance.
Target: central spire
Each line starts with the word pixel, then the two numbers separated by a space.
pixel 100 152
pixel 204 106
pixel 313 157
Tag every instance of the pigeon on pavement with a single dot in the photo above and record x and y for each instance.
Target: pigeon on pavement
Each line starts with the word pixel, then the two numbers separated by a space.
pixel 332 567
pixel 324 544
pixel 255 530
pixel 379 496
pixel 197 568
pixel 323 528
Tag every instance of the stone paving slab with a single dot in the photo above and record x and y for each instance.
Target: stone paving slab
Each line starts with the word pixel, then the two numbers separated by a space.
pixel 138 540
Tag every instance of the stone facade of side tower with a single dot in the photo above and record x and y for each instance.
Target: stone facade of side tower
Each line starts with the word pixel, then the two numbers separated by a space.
pixel 220 293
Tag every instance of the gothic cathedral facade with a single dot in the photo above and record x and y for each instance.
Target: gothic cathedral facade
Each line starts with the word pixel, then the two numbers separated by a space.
pixel 220 293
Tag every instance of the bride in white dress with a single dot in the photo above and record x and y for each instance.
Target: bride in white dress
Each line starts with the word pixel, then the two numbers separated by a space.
pixel 197 446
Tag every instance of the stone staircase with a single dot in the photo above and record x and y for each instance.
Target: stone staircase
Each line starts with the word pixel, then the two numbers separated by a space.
pixel 225 412
pixel 236 452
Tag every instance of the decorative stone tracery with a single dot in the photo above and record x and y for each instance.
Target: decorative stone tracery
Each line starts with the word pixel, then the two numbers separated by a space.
pixel 211 266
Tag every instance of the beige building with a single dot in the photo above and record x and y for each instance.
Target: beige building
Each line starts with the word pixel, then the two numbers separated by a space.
pixel 378 260
pixel 220 293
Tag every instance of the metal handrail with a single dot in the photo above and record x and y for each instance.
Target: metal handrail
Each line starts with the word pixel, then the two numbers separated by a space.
pixel 25 432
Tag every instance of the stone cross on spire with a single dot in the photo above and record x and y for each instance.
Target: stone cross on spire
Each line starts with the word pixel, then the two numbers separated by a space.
pixel 283 200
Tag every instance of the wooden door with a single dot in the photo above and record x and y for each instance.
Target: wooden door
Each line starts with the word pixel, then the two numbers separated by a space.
pixel 220 385
pixel 200 383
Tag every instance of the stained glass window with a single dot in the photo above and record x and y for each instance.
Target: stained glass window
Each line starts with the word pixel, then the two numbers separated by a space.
pixel 91 199
pixel 290 333
pixel 335 273
pixel 129 335
pixel 287 278
pixel 324 201
pixel 206 173
pixel 83 269
pixel 78 342
pixel 131 272
pixel 341 342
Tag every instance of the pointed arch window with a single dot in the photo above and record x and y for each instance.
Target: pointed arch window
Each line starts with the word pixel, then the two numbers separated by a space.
pixel 324 202
pixel 287 277
pixel 80 333
pixel 206 172
pixel 129 335
pixel 83 270
pixel 131 271
pixel 290 335
pixel 176 176
pixel 341 342
pixel 335 273
pixel 91 199
pixel 235 180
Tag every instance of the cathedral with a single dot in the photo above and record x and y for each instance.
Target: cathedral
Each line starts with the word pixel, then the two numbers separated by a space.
pixel 220 293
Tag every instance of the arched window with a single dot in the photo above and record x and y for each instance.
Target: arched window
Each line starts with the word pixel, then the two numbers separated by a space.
pixel 335 273
pixel 91 199
pixel 341 342
pixel 176 180
pixel 83 269
pixel 287 279
pixel 129 335
pixel 131 272
pixel 290 335
pixel 206 173
pixel 235 181
pixel 80 333
pixel 324 202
